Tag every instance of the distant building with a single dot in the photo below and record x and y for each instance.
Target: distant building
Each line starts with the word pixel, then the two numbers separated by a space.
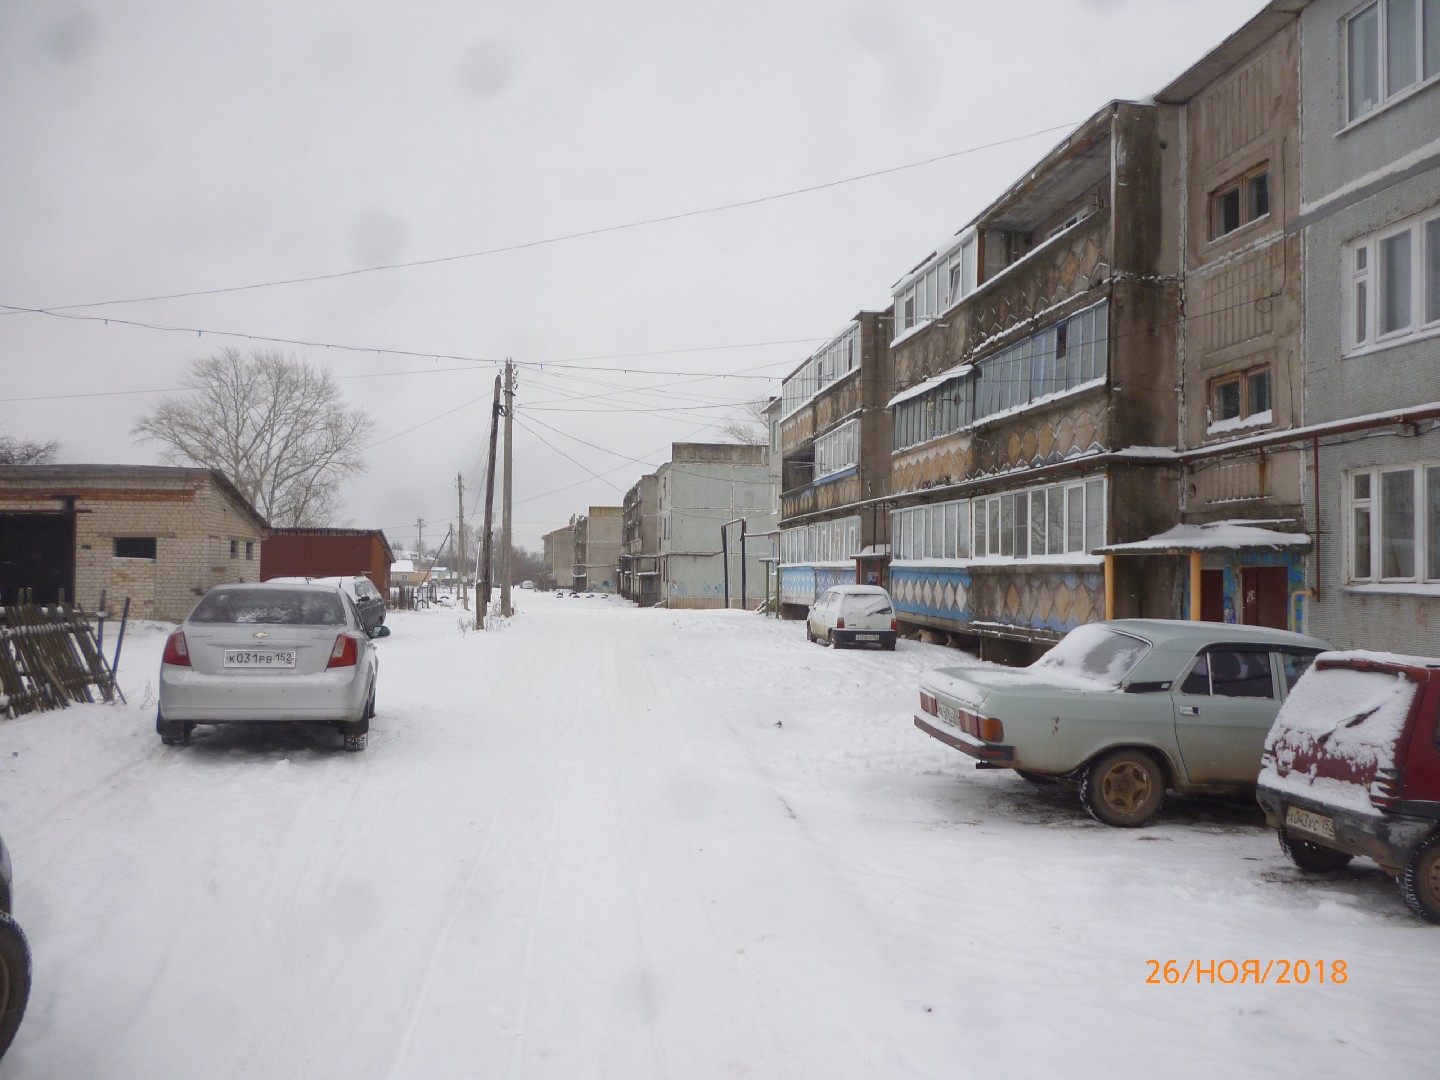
pixel 835 439
pixel 328 553
pixel 157 535
pixel 598 539
pixel 640 543
pixel 701 488
pixel 560 557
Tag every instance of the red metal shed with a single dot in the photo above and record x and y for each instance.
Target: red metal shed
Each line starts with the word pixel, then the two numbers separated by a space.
pixel 327 553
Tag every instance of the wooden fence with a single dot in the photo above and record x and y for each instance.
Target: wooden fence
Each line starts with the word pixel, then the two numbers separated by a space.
pixel 49 658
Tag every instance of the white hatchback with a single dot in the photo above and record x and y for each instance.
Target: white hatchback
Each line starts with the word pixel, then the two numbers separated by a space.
pixel 853 615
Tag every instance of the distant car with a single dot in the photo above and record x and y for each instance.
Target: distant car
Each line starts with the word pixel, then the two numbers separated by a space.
pixel 853 615
pixel 1352 767
pixel 527 584
pixel 361 590
pixel 14 960
pixel 270 653
pixel 1126 710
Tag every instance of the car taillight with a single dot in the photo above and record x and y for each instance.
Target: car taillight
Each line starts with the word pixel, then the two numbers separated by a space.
pixel 177 653
pixel 989 729
pixel 929 704
pixel 1385 789
pixel 839 624
pixel 894 626
pixel 346 652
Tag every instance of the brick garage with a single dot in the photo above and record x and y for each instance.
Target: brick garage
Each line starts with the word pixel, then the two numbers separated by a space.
pixel 161 536
pixel 328 553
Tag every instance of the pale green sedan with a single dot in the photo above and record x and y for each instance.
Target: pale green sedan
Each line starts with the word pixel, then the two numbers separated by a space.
pixel 1126 709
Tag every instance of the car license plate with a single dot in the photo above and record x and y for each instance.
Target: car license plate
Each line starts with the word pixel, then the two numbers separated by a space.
pixel 867 637
pixel 1305 821
pixel 949 715
pixel 259 658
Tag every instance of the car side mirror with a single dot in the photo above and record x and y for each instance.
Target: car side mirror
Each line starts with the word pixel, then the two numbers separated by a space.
pixel 379 631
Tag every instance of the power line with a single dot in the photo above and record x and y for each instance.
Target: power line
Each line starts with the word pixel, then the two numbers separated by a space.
pixel 566 236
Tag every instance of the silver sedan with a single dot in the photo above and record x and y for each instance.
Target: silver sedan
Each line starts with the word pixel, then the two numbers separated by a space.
pixel 269 653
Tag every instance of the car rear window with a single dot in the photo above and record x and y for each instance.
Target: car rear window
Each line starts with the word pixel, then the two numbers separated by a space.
pixel 284 607
pixel 868 605
pixel 1097 653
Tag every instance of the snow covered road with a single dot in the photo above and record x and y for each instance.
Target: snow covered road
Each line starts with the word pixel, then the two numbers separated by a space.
pixel 604 842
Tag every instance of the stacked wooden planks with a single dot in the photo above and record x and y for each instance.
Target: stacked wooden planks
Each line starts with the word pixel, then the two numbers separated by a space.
pixel 49 658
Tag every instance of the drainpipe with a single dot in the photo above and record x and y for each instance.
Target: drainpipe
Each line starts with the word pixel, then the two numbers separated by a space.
pixel 1315 467
pixel 1109 586
pixel 1194 586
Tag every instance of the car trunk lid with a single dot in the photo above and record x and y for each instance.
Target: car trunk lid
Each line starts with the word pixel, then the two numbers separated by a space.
pixel 310 646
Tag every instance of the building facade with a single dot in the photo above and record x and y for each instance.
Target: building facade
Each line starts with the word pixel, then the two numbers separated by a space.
pixel 1035 406
pixel 703 489
pixel 834 436
pixel 640 553
pixel 598 540
pixel 159 536
pixel 1370 212
pixel 559 554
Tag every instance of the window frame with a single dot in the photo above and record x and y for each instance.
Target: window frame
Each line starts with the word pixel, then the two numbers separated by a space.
pixel 1385 95
pixel 1244 380
pixel 1424 532
pixel 1366 283
pixel 139 543
pixel 1242 187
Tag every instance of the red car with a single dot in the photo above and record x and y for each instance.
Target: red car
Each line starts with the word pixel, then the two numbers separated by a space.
pixel 1352 767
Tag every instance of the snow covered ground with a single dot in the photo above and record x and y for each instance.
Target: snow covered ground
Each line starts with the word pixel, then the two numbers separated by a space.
pixel 605 842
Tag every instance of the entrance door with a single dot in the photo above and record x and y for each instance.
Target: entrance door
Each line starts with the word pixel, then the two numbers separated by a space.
pixel 1263 591
pixel 1212 595
pixel 37 552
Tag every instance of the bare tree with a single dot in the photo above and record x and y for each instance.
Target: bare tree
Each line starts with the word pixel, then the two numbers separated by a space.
pixel 275 425
pixel 15 451
pixel 749 427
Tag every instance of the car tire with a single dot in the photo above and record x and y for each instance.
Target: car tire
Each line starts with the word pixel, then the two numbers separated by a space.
pixel 1311 857
pixel 1420 880
pixel 809 634
pixel 172 732
pixel 830 639
pixel 1123 788
pixel 14 979
pixel 888 646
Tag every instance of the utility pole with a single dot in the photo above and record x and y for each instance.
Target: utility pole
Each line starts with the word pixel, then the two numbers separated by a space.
pixel 460 543
pixel 419 539
pixel 505 608
pixel 482 600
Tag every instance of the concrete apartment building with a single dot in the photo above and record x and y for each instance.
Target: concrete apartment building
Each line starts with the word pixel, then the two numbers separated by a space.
pixel 701 488
pixel 1240 552
pixel 1035 358
pixel 160 536
pixel 834 436
pixel 559 553
pixel 598 540
pixel 1370 211
pixel 640 543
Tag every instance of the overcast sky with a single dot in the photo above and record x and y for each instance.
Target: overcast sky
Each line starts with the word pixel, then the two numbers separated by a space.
pixel 160 146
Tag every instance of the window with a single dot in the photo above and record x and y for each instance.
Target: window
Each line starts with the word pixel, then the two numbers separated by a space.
pixel 837 450
pixel 1059 519
pixel 249 551
pixel 939 283
pixel 135 547
pixel 1241 673
pixel 234 549
pixel 830 541
pixel 1393 291
pixel 1240 400
pixel 831 362
pixel 1240 201
pixel 1394 518
pixel 1390 47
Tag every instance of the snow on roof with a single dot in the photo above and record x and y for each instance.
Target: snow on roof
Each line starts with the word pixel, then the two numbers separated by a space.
pixel 1214 536
pixel 930 384
pixel 402 566
pixel 873 551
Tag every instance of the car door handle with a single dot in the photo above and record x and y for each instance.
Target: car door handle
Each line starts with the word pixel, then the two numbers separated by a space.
pixel 1188 710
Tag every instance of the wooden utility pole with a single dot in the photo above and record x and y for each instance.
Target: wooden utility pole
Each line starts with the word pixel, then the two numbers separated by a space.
pixel 419 540
pixel 505 608
pixel 482 599
pixel 460 543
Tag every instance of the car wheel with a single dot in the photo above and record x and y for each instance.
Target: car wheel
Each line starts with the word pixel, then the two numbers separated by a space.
pixel 889 646
pixel 1123 788
pixel 172 732
pixel 1036 778
pixel 830 639
pixel 809 634
pixel 1311 857
pixel 14 979
pixel 1420 880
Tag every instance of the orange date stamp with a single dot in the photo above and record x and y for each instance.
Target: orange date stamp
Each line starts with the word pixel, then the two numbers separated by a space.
pixel 1198 972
